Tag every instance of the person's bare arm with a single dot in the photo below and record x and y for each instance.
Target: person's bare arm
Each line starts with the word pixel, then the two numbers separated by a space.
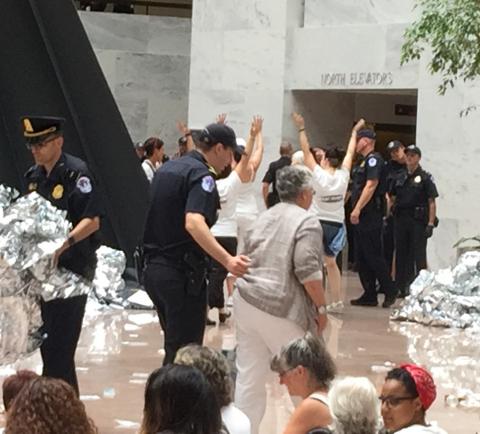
pixel 367 194
pixel 432 211
pixel 243 168
pixel 316 292
pixel 185 131
pixel 257 156
pixel 196 226
pixel 265 187
pixel 308 158
pixel 308 415
pixel 348 160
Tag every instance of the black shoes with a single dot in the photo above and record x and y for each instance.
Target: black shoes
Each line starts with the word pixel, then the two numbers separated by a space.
pixel 389 301
pixel 362 301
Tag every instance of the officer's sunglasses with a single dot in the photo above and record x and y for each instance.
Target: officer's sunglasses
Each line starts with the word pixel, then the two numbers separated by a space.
pixel 39 145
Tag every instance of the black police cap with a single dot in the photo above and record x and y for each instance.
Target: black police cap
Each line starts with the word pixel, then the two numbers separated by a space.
pixel 38 128
pixel 414 149
pixel 394 144
pixel 366 132
pixel 220 133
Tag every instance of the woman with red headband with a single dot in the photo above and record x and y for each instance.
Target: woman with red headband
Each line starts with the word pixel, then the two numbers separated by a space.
pixel 408 392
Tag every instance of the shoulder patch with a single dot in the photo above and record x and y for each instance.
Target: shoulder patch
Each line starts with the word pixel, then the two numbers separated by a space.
pixel 418 179
pixel 208 183
pixel 84 184
pixel 372 162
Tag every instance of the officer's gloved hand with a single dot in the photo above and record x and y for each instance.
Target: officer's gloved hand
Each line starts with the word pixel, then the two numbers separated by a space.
pixel 428 231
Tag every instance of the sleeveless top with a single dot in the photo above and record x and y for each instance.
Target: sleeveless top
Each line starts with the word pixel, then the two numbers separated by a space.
pixel 319 397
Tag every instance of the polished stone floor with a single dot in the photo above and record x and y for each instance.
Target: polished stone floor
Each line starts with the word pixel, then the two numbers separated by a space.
pixel 118 349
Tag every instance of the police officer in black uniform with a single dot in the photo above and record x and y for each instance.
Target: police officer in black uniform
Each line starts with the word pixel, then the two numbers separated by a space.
pixel 415 217
pixel 64 181
pixel 395 168
pixel 368 201
pixel 177 238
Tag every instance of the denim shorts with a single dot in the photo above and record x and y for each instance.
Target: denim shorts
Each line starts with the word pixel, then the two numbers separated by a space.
pixel 334 237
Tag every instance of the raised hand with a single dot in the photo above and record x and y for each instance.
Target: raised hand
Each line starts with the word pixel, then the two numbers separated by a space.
pixel 298 120
pixel 182 128
pixel 221 118
pixel 359 125
pixel 256 125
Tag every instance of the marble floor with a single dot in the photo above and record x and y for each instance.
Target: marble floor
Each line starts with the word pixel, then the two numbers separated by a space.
pixel 118 349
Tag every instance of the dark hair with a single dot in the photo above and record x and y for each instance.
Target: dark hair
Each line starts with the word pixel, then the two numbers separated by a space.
pixel 286 149
pixel 13 384
pixel 180 399
pixel 310 352
pixel 237 156
pixel 334 155
pixel 46 406
pixel 151 144
pixel 404 377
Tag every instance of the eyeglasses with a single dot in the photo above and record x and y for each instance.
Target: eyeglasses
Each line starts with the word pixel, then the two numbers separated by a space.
pixel 393 401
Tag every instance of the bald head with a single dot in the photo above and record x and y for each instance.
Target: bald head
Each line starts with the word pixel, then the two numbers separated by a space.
pixel 286 149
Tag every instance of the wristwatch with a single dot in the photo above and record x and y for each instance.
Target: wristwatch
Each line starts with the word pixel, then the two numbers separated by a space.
pixel 322 310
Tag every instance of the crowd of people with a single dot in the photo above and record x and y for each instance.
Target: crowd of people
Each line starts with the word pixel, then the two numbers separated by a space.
pixel 194 395
pixel 204 232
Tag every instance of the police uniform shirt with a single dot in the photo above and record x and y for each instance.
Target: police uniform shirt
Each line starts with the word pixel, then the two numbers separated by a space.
pixel 371 168
pixel 414 190
pixel 394 170
pixel 179 186
pixel 70 187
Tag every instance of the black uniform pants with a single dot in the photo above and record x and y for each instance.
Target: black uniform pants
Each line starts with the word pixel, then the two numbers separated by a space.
pixel 218 273
pixel 389 242
pixel 62 324
pixel 370 261
pixel 411 245
pixel 182 307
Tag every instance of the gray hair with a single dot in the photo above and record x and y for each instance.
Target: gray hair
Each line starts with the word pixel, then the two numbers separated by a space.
pixel 291 181
pixel 354 406
pixel 309 352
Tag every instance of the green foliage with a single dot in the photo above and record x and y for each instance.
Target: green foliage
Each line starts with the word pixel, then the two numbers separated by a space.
pixel 451 29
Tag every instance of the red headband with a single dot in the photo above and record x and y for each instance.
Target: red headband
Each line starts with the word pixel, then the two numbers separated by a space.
pixel 424 383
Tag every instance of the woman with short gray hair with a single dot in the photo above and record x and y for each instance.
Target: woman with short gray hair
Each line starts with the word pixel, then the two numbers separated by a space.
pixel 281 297
pixel 306 368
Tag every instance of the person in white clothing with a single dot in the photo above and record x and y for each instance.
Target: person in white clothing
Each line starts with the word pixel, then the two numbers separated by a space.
pixel 330 181
pixel 407 394
pixel 306 368
pixel 215 367
pixel 229 184
pixel 247 208
pixel 154 152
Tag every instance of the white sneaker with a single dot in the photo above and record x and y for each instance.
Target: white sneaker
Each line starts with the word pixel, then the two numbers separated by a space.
pixel 336 307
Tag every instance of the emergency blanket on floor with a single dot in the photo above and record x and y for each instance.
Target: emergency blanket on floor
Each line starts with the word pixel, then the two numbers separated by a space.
pixel 447 298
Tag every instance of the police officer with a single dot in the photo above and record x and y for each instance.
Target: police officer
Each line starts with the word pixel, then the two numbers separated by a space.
pixel 177 238
pixel 415 217
pixel 395 168
pixel 368 201
pixel 64 181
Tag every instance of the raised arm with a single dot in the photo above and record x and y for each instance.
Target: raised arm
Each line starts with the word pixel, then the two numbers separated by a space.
pixel 308 158
pixel 348 160
pixel 185 131
pixel 257 155
pixel 243 167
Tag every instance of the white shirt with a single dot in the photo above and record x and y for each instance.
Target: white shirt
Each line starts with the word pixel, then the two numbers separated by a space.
pixel 228 190
pixel 149 169
pixel 246 202
pixel 235 420
pixel 420 429
pixel 330 190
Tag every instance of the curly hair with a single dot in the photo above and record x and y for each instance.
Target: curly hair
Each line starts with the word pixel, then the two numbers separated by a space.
pixel 48 406
pixel 13 384
pixel 213 365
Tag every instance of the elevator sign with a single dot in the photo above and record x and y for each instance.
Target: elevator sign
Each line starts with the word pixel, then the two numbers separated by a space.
pixel 357 79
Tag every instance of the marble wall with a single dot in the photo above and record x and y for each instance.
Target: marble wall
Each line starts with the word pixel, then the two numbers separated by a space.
pixel 146 62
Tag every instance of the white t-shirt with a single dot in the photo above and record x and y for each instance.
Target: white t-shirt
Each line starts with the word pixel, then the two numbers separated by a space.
pixel 330 190
pixel 149 169
pixel 228 190
pixel 246 202
pixel 235 420
pixel 420 429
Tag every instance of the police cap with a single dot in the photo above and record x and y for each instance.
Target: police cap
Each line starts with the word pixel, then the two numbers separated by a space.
pixel 414 149
pixel 38 128
pixel 394 144
pixel 368 133
pixel 220 133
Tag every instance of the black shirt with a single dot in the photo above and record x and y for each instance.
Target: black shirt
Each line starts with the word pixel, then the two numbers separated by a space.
pixel 70 187
pixel 394 170
pixel 371 168
pixel 179 186
pixel 271 177
pixel 414 190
